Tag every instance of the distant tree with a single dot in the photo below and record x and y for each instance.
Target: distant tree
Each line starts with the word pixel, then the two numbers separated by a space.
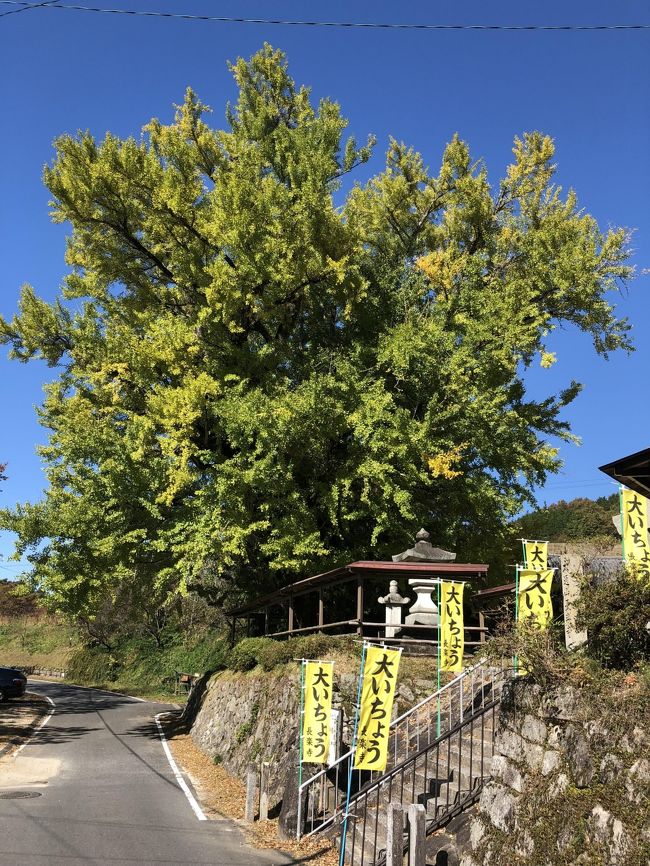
pixel 261 376
pixel 577 520
pixel 17 601
pixel 3 467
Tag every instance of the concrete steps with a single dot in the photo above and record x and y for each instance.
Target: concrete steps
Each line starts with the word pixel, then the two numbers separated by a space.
pixel 439 790
pixel 439 777
pixel 439 780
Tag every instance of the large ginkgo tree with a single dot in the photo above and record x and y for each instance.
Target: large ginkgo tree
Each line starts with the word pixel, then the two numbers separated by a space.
pixel 265 369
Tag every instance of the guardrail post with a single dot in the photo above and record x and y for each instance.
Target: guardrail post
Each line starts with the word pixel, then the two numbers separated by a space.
pixel 251 788
pixel 417 834
pixel 395 835
pixel 264 791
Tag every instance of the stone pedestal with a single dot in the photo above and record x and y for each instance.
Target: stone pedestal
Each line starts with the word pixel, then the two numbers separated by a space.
pixel 423 611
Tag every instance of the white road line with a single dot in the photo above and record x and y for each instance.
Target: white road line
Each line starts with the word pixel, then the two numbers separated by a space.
pixel 177 773
pixel 38 728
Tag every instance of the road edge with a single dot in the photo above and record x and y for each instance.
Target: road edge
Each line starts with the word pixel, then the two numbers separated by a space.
pixel 18 743
pixel 196 808
pixel 64 682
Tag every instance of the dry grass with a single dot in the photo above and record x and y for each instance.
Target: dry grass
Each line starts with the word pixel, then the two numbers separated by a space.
pixel 57 659
pixel 35 642
pixel 223 795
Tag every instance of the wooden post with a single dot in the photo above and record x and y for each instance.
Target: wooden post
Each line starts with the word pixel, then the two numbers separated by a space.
pixel 359 605
pixel 395 836
pixel 481 622
pixel 266 620
pixel 251 788
pixel 417 834
pixel 264 791
pixel 290 626
pixel 321 608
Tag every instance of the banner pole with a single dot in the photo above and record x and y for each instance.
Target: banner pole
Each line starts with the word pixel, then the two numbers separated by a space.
pixel 515 660
pixel 620 508
pixel 302 720
pixel 344 832
pixel 523 549
pixel 439 659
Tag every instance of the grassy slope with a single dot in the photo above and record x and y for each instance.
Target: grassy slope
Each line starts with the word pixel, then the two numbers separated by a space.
pixel 41 642
pixel 136 666
pixel 140 667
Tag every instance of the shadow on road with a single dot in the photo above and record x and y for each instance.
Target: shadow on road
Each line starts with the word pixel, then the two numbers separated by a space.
pixel 72 701
pixel 58 734
pixel 78 701
pixel 152 734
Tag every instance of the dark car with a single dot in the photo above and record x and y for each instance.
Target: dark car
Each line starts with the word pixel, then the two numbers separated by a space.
pixel 12 683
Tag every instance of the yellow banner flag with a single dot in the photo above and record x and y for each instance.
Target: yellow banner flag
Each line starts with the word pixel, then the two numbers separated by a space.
pixel 536 555
pixel 317 712
pixel 534 597
pixel 452 629
pixel 377 695
pixel 634 520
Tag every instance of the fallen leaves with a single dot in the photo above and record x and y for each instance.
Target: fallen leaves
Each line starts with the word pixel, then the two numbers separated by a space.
pixel 18 716
pixel 224 795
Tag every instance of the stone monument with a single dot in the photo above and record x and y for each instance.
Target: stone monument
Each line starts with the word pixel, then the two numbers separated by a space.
pixel 393 602
pixel 423 611
pixel 424 551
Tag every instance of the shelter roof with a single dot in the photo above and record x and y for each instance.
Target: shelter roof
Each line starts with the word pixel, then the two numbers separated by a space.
pixel 369 568
pixel 633 471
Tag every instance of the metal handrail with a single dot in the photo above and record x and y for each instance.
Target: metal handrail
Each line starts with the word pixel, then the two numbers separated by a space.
pixel 451 807
pixel 314 788
pixel 413 759
pixel 458 762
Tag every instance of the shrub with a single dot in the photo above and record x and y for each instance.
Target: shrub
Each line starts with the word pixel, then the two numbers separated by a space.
pixel 539 652
pixel 615 616
pixel 246 654
pixel 276 653
pixel 315 646
pixel 269 653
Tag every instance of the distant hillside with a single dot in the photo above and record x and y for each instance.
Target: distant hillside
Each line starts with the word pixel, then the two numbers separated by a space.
pixel 16 601
pixel 578 520
pixel 30 637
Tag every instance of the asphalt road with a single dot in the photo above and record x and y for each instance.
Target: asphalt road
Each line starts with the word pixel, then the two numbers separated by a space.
pixel 106 793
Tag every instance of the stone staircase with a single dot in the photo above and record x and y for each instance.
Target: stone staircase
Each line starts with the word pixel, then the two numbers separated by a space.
pixel 445 775
pixel 440 752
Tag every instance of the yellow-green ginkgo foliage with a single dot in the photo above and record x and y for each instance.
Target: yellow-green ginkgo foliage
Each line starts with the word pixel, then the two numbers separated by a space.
pixel 265 370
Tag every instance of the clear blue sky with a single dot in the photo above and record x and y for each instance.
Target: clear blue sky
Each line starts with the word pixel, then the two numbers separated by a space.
pixel 64 70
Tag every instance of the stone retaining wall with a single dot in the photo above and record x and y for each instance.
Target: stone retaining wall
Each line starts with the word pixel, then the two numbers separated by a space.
pixel 243 717
pixel 566 788
pixel 43 672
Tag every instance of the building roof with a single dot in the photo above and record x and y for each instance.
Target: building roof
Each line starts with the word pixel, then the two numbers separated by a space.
pixel 632 471
pixel 495 591
pixel 371 568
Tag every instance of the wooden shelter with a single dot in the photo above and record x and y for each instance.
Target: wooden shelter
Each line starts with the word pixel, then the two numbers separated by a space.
pixel 340 602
